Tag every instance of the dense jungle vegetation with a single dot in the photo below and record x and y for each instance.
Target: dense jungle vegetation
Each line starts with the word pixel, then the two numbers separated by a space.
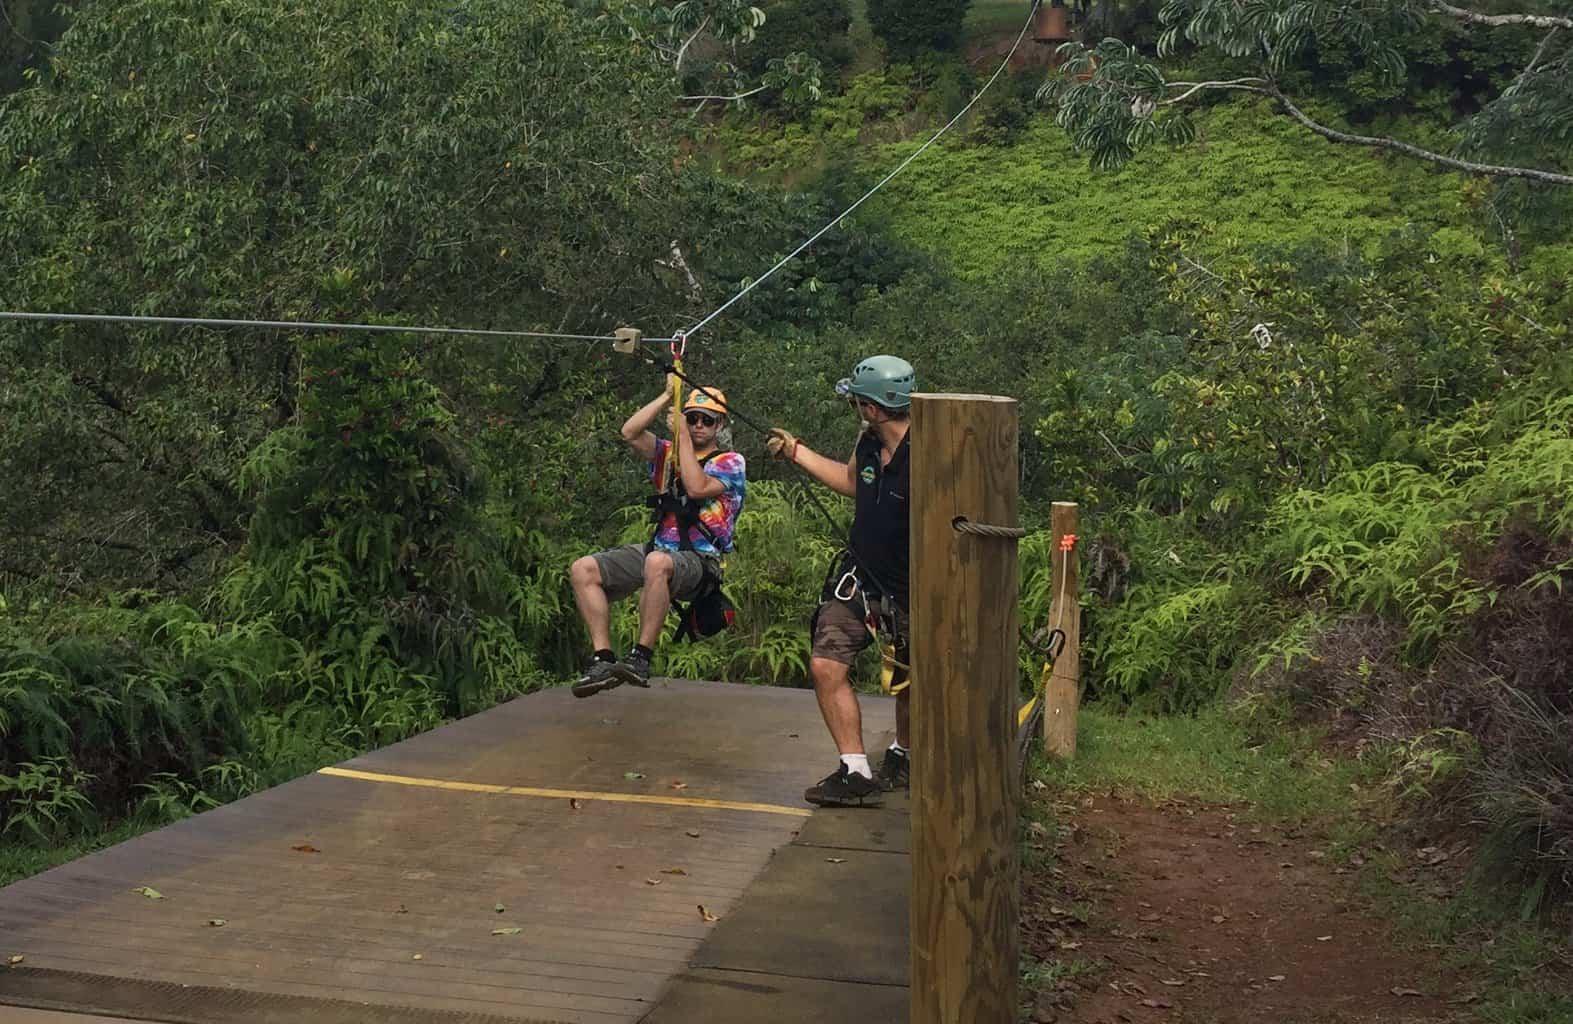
pixel 1312 398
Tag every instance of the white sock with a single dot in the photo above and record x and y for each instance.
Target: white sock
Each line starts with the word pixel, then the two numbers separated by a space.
pixel 897 748
pixel 858 763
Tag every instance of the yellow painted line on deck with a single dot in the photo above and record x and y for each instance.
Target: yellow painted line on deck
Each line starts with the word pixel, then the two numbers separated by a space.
pixel 566 794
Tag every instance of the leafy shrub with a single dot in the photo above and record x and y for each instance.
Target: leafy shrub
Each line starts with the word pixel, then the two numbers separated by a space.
pixel 912 27
pixel 815 27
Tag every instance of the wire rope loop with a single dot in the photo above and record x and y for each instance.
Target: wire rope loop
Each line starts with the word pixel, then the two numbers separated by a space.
pixel 964 525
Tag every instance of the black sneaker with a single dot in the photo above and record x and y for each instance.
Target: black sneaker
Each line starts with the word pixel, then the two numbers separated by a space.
pixel 634 669
pixel 895 771
pixel 597 677
pixel 843 788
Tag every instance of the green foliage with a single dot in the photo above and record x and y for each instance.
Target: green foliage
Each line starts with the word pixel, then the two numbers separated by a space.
pixel 912 27
pixel 450 166
pixel 1262 184
pixel 372 544
pixel 1114 99
pixel 97 703
pixel 1400 540
pixel 817 28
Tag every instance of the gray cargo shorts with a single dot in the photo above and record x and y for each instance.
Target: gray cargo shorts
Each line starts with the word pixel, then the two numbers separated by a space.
pixel 622 571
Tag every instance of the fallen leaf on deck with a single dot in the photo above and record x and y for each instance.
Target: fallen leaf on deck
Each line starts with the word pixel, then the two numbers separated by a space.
pixel 633 776
pixel 305 848
pixel 506 931
pixel 679 785
pixel 573 803
pixel 1407 992
pixel 1219 919
pixel 499 908
pixel 1276 977
pixel 216 922
pixel 418 956
pixel 402 909
pixel 1159 1003
pixel 673 871
pixel 652 881
pixel 1324 938
pixel 149 892
pixel 705 915
pixel 692 833
pixel 835 860
pixel 1176 982
pixel 13 961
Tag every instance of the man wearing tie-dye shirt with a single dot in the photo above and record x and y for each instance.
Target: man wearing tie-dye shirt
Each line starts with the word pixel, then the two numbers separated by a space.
pixel 682 559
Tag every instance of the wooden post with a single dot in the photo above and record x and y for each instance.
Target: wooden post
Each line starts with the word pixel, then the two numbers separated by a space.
pixel 965 867
pixel 1063 693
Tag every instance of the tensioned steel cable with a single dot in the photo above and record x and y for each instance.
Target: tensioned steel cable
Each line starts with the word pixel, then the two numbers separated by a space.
pixel 795 253
pixel 302 325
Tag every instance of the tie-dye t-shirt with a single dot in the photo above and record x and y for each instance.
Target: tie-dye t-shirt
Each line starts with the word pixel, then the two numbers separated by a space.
pixel 719 514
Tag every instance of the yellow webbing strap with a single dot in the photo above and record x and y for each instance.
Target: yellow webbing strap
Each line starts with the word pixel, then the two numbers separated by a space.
pixel 669 467
pixel 893 675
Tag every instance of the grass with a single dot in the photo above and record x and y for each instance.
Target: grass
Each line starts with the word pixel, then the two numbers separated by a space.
pixel 1259 178
pixel 1212 756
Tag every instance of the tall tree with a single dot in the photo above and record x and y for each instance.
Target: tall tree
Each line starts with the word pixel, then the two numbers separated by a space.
pixel 1115 99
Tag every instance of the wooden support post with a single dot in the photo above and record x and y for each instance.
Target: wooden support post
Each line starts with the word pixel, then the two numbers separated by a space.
pixel 1064 689
pixel 965 866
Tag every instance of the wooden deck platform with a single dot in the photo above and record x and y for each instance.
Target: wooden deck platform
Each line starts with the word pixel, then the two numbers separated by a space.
pixel 369 891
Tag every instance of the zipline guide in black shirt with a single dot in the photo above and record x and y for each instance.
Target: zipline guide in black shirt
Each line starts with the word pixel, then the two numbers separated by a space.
pixel 881 530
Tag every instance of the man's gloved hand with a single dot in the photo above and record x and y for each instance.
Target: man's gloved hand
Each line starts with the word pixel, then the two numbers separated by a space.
pixel 781 445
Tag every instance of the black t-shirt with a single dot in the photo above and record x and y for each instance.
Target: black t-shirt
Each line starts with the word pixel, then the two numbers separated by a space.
pixel 881 530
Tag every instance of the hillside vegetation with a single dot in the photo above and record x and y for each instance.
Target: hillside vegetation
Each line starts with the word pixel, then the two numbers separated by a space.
pixel 1313 400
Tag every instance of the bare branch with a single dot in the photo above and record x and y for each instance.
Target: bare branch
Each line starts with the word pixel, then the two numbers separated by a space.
pixel 725 99
pixel 1238 84
pixel 1476 18
pixel 682 51
pixel 1453 163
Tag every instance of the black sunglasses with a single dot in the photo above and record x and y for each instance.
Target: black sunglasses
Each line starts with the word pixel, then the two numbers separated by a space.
pixel 701 419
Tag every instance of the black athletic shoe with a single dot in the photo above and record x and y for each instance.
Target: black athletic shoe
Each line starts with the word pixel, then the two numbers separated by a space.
pixel 895 771
pixel 634 669
pixel 843 788
pixel 599 676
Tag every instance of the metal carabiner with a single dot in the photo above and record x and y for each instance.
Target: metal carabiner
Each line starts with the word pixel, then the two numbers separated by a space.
pixel 678 346
pixel 842 583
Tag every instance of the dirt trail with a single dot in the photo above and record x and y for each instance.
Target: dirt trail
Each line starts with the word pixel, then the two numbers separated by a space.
pixel 1182 913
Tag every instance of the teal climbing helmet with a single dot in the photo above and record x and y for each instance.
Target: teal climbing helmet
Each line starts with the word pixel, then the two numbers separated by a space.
pixel 883 380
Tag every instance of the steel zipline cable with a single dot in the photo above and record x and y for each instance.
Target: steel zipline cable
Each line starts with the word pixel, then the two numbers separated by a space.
pixel 302 325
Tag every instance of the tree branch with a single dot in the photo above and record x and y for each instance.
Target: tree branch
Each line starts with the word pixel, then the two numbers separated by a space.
pixel 1240 84
pixel 1476 18
pixel 682 51
pixel 1453 163
pixel 725 99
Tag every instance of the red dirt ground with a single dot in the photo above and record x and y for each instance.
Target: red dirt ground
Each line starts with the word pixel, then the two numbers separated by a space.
pixel 1182 914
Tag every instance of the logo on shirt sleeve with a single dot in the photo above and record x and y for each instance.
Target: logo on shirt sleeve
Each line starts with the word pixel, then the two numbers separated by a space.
pixel 867 474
